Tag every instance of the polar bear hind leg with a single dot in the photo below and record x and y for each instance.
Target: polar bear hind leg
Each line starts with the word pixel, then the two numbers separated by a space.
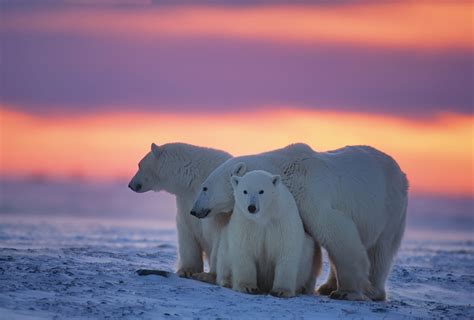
pixel 348 254
pixel 381 257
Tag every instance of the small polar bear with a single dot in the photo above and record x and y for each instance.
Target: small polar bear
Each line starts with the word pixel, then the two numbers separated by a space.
pixel 268 250
pixel 179 169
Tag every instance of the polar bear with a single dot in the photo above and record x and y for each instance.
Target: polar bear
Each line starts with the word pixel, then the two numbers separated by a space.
pixel 179 169
pixel 268 250
pixel 352 201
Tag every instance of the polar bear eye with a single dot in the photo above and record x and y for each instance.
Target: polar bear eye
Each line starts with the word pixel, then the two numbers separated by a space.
pixel 204 189
pixel 260 192
pixel 245 191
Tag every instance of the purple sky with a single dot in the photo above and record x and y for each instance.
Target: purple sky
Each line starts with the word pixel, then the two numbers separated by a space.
pixel 47 73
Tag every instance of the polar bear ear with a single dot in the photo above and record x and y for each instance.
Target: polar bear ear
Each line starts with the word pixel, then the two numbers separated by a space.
pixel 235 181
pixel 239 169
pixel 276 180
pixel 155 150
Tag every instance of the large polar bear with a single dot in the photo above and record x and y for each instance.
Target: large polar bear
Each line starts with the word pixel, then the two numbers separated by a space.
pixel 268 250
pixel 179 169
pixel 352 201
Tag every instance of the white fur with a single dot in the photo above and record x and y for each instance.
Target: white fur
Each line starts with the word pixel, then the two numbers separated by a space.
pixel 268 250
pixel 180 169
pixel 352 201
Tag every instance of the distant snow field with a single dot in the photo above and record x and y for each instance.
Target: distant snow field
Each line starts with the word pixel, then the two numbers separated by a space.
pixel 70 269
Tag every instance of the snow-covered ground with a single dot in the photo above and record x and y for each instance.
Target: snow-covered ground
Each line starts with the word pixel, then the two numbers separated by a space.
pixel 86 269
pixel 58 260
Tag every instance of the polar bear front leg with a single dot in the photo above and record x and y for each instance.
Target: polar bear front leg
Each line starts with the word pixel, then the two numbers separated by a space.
pixel 214 255
pixel 331 283
pixel 244 274
pixel 223 272
pixel 316 266
pixel 342 241
pixel 190 252
pixel 209 277
pixel 286 273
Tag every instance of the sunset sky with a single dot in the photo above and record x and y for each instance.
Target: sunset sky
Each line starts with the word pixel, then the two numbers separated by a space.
pixel 85 89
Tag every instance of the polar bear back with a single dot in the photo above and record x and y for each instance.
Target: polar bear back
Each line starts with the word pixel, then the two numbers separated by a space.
pixel 360 182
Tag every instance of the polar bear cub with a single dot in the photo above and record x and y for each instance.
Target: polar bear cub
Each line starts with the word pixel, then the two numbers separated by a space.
pixel 268 250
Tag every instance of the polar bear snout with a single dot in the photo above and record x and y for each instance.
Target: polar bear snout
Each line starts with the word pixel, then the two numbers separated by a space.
pixel 252 209
pixel 201 213
pixel 253 206
pixel 139 183
pixel 135 186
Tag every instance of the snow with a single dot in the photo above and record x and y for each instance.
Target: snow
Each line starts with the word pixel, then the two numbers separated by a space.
pixel 71 251
pixel 86 268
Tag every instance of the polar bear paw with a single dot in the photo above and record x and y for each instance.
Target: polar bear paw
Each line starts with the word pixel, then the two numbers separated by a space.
pixel 247 288
pixel 186 273
pixel 282 293
pixel 348 295
pixel 375 294
pixel 305 290
pixel 226 283
pixel 205 277
pixel 326 289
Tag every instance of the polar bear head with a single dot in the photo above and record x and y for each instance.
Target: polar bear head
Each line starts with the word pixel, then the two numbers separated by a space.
pixel 177 168
pixel 169 167
pixel 255 192
pixel 147 177
pixel 216 194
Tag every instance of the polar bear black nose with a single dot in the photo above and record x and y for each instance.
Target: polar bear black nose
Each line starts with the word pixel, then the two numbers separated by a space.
pixel 135 187
pixel 251 208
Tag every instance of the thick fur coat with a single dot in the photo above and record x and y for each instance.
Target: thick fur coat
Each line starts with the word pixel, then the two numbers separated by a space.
pixel 352 201
pixel 265 248
pixel 180 169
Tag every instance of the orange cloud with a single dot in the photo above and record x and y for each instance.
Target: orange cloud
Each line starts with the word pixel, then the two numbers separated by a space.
pixel 436 154
pixel 413 24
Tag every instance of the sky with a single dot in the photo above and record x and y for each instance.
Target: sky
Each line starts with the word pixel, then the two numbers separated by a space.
pixel 86 86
